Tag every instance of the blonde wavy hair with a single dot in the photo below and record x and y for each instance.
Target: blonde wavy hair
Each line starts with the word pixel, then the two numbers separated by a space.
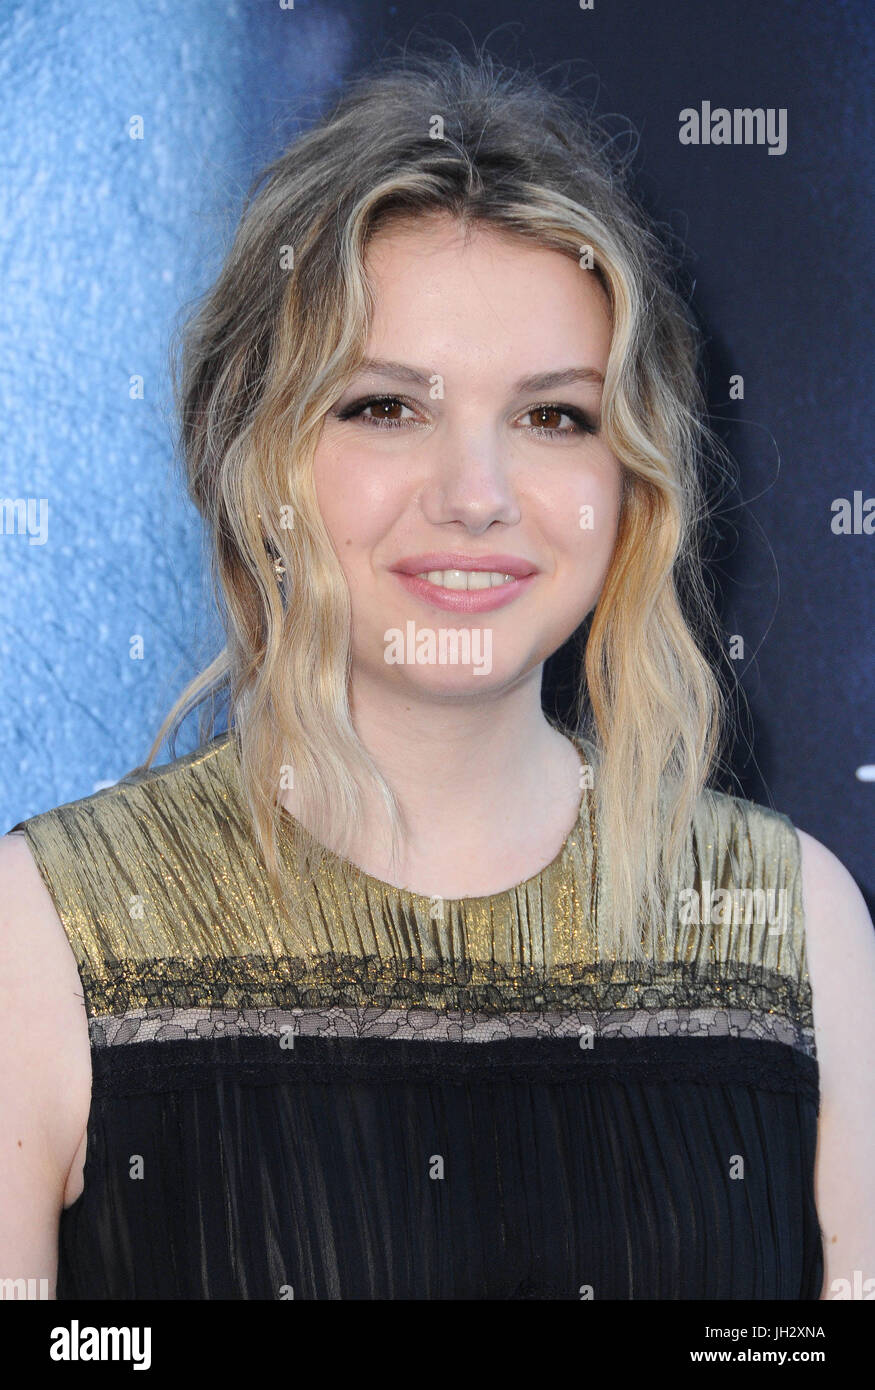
pixel 271 346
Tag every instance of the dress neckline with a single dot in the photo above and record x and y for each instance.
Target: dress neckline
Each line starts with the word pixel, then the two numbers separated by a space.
pixel 337 864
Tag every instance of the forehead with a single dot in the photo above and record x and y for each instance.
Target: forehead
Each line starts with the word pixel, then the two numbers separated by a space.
pixel 441 285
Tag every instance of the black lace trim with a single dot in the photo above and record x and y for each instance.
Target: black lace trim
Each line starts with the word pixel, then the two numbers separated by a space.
pixel 169 1024
pixel 286 982
pixel 260 1061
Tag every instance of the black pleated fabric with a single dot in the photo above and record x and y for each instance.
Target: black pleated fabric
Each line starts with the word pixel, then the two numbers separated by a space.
pixel 349 1170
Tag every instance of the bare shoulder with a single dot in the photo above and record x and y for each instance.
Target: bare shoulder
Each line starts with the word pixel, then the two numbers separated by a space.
pixel 39 980
pixel 44 1065
pixel 33 936
pixel 840 946
pixel 840 936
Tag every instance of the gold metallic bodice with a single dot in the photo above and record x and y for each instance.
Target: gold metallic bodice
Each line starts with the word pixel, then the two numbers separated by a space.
pixel 169 911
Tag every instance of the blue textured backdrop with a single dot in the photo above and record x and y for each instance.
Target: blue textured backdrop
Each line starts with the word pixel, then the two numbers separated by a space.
pixel 104 237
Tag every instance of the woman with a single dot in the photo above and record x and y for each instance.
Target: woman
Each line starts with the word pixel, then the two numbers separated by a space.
pixel 404 987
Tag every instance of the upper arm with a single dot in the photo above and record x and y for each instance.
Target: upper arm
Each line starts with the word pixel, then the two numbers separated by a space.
pixel 840 943
pixel 42 1019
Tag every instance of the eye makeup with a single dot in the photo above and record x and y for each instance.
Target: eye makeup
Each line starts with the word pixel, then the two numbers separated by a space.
pixel 582 421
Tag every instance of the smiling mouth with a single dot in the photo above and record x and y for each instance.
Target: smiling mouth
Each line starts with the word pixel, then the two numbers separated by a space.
pixel 465 579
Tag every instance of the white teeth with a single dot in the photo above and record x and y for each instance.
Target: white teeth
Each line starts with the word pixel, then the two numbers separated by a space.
pixel 466 579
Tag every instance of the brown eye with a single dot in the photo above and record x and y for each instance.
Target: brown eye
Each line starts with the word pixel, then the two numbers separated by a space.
pixel 386 410
pixel 547 421
pixel 547 417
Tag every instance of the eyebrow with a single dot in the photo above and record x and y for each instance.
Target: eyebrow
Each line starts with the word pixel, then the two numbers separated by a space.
pixel 541 381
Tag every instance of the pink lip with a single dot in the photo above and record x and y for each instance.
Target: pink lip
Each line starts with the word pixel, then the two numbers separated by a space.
pixel 455 560
pixel 466 600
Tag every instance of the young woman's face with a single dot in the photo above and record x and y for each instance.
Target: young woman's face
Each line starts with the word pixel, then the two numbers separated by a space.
pixel 447 455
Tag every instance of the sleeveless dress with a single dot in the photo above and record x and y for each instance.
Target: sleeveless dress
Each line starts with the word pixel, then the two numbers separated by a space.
pixel 380 1095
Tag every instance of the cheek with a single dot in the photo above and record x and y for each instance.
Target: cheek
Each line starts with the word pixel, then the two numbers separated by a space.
pixel 352 499
pixel 584 511
pixel 599 526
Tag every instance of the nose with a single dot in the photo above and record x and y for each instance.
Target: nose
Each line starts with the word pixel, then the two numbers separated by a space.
pixel 469 481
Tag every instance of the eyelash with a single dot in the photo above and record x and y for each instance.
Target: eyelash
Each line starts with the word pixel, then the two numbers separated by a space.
pixel 584 424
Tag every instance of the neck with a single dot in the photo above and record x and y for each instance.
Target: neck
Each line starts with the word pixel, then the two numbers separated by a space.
pixel 469 777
